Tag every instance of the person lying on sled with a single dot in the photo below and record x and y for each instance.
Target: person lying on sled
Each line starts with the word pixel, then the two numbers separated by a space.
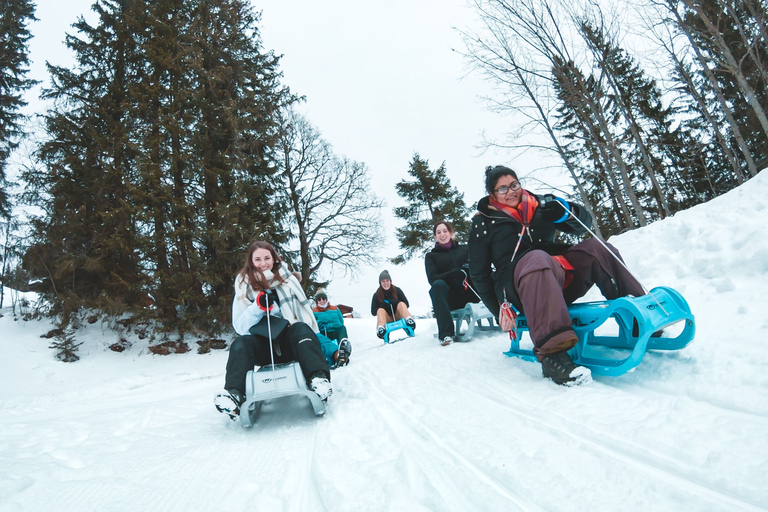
pixel 388 304
pixel 331 323
pixel 513 232
pixel 269 301
pixel 447 272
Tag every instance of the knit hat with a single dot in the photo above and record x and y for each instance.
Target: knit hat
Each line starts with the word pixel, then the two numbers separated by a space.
pixel 384 275
pixel 321 295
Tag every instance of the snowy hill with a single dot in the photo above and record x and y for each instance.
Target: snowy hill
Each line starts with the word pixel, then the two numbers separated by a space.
pixel 414 426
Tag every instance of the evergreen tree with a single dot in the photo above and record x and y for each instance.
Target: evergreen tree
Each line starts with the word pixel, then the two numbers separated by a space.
pixel 158 168
pixel 430 199
pixel 14 35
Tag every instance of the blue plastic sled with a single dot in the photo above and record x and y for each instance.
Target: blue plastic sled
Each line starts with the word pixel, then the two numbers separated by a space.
pixel 393 326
pixel 661 308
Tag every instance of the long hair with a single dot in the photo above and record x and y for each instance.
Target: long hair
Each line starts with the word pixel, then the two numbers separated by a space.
pixel 380 293
pixel 254 276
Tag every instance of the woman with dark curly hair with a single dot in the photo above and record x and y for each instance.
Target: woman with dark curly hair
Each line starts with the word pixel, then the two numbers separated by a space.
pixel 513 257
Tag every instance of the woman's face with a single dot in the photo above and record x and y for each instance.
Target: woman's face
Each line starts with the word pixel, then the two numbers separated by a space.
pixel 262 260
pixel 442 234
pixel 513 193
pixel 322 302
pixel 386 283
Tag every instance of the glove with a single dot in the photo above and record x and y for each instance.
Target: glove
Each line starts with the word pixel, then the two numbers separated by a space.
pixel 553 209
pixel 267 298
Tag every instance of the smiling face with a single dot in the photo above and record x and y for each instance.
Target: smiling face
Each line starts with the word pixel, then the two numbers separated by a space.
pixel 322 302
pixel 262 259
pixel 385 283
pixel 510 197
pixel 443 235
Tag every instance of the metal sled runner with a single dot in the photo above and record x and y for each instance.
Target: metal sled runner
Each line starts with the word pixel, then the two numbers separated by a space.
pixel 473 315
pixel 660 308
pixel 264 384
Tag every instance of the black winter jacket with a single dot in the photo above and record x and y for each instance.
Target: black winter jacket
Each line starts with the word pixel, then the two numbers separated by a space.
pixel 492 242
pixel 446 264
pixel 389 302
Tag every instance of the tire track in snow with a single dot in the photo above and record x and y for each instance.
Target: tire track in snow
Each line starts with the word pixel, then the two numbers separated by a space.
pixel 654 464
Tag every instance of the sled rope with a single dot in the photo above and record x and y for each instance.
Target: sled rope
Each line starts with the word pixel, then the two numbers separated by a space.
pixel 269 333
pixel 616 258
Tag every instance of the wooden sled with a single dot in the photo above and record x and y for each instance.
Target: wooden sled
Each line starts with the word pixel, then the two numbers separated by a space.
pixel 264 384
pixel 660 308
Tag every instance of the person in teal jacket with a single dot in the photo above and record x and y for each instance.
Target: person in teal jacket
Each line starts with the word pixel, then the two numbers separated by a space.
pixel 331 323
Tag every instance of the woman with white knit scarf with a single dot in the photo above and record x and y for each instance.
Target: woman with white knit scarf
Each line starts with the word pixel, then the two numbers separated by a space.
pixel 265 286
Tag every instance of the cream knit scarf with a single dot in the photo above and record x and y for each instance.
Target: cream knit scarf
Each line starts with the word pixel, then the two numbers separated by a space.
pixel 294 305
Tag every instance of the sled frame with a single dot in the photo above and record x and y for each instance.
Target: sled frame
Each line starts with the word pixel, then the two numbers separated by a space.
pixel 473 315
pixel 262 384
pixel 394 326
pixel 660 308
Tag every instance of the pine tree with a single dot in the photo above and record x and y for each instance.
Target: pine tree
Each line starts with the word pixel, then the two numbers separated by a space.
pixel 430 199
pixel 158 168
pixel 14 35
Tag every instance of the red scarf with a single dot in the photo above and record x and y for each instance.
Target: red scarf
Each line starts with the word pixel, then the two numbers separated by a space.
pixel 524 211
pixel 523 214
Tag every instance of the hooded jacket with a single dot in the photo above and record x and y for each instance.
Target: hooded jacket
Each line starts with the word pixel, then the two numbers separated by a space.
pixel 492 243
pixel 445 264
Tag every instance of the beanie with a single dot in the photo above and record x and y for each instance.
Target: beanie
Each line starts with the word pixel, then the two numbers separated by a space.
pixel 321 295
pixel 384 275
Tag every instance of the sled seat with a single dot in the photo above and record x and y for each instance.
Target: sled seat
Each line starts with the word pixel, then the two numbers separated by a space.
pixel 473 315
pixel 264 384
pixel 660 308
pixel 394 326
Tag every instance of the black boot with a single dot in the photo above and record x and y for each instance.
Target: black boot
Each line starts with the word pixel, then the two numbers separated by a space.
pixel 560 368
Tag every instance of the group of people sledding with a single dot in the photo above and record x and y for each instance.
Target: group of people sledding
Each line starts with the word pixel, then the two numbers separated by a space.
pixel 511 263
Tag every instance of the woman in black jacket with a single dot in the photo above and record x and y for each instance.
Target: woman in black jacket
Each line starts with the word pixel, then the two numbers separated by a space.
pixel 514 231
pixel 388 304
pixel 447 269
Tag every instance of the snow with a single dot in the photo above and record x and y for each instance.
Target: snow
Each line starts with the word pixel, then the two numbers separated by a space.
pixel 413 426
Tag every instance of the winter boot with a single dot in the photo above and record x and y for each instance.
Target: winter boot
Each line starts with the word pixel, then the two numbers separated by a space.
pixel 342 355
pixel 321 386
pixel 410 322
pixel 229 403
pixel 560 368
pixel 381 331
pixel 446 341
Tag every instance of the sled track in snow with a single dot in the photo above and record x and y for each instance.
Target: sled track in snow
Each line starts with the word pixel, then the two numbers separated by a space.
pixel 400 430
pixel 653 464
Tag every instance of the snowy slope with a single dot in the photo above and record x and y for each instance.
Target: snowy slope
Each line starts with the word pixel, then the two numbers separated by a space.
pixel 413 426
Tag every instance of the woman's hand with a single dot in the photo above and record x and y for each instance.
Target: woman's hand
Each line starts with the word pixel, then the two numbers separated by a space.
pixel 267 300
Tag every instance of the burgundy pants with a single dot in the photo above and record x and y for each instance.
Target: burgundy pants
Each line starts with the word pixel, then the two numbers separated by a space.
pixel 539 282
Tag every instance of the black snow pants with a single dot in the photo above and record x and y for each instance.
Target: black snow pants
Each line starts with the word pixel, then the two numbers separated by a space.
pixel 296 343
pixel 444 300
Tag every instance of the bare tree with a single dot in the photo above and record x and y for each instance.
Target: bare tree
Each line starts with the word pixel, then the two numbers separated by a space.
pixel 516 51
pixel 336 216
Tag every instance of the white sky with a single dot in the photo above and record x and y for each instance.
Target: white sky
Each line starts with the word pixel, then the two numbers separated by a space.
pixel 382 81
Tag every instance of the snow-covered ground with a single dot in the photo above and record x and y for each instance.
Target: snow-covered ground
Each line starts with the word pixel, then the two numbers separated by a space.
pixel 414 426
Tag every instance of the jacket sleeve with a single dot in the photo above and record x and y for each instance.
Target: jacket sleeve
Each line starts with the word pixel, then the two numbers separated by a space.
pixel 245 314
pixel 571 225
pixel 341 317
pixel 374 305
pixel 480 264
pixel 453 277
pixel 403 298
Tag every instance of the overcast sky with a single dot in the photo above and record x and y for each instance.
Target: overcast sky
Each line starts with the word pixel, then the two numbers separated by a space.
pixel 382 80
